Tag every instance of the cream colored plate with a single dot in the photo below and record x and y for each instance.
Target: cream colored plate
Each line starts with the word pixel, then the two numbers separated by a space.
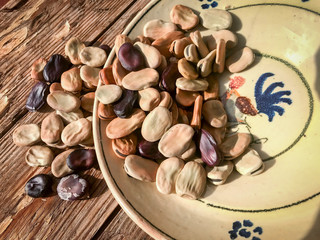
pixel 284 86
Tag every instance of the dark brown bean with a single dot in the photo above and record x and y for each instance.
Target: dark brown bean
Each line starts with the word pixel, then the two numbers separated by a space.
pixel 123 107
pixel 56 65
pixel 106 48
pixel 39 186
pixel 72 187
pixel 150 150
pixel 37 97
pixel 81 159
pixel 130 57
pixel 169 76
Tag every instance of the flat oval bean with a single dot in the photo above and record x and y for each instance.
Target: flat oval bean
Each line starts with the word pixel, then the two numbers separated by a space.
pixel 59 167
pixel 107 94
pixel 90 75
pixel 93 56
pixel 184 17
pixel 140 80
pixel 76 132
pixel 26 135
pixel 39 156
pixel 73 48
pixel 156 28
pixel 37 96
pixel 125 146
pixel 240 60
pixel 123 108
pixel 70 116
pixel 56 65
pixel 71 80
pixel 63 101
pixel 192 85
pixel 214 113
pixel 51 128
pixel 87 101
pixel 149 99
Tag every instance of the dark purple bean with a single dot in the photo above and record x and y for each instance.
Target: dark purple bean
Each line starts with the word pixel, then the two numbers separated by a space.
pixel 169 76
pixel 37 97
pixel 208 148
pixel 106 48
pixel 39 186
pixel 124 106
pixel 56 65
pixel 72 187
pixel 81 159
pixel 150 150
pixel 130 57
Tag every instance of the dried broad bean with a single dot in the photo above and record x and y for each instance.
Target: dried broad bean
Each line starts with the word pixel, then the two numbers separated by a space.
pixel 108 93
pixel 105 48
pixel 149 99
pixel 141 168
pixel 187 70
pixel 81 159
pixel 26 135
pixel 204 65
pixel 87 101
pixel 216 19
pixel 218 66
pixel 39 186
pixel 37 69
pixel 70 116
pixel 212 92
pixel 229 37
pixel 59 167
pixel 163 44
pixel 191 53
pixel 123 108
pixel 118 72
pixel 90 75
pixel 106 75
pixel 177 46
pixel 125 146
pixel 150 150
pixel 234 145
pixel 156 28
pixel 197 111
pixel 219 174
pixel 249 163
pixel 152 56
pixel 63 101
pixel 105 112
pixel 186 98
pixel 54 87
pixel 76 132
pixel 130 57
pixel 189 152
pixel 37 96
pixel 240 60
pixel 198 41
pixel 143 39
pixel 169 76
pixel 218 134
pixel 56 65
pixel 93 56
pixel 73 48
pixel 72 187
pixel 71 80
pixel 119 40
pixel 214 113
pixel 192 85
pixel 175 113
pixel 140 80
pixel 165 100
pixel 184 17
pixel 51 128
pixel 39 156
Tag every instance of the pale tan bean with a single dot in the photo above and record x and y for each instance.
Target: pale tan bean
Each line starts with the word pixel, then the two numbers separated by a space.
pixel 107 94
pixel 87 101
pixel 73 48
pixel 249 163
pixel 177 46
pixel 216 19
pixel 197 112
pixel 140 80
pixel 151 55
pixel 198 41
pixel 156 28
pixel 143 39
pixel 234 145
pixel 141 168
pixel 229 37
pixel 191 181
pixel 217 133
pixel 214 113
pixel 167 174
pixel 88 87
pixel 184 17
pixel 192 85
pixel 26 135
pixel 163 44
pixel 93 56
pixel 118 72
pixel 59 167
pixel 88 142
pixel 76 132
pixel 149 99
pixel 70 116
pixel 220 58
pixel 120 39
pixel 240 60
pixel 187 70
pixel 176 140
pixel 157 122
pixel 37 69
pixel 165 100
pixel 191 53
pixel 219 174
pixel 51 128
pixel 59 145
pixel 54 87
pixel 189 153
pixel 71 80
pixel 90 75
pixel 39 156
pixel 185 98
pixel 121 127
pixel 204 65
pixel 63 101
pixel 212 92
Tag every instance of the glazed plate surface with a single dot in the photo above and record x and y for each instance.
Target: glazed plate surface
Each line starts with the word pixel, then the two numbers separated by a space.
pixel 284 86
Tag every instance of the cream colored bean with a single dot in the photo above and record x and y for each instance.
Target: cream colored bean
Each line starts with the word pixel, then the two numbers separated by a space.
pixel 71 80
pixel 165 100
pixel 240 60
pixel 90 75
pixel 191 181
pixel 216 19
pixel 39 156
pixel 93 56
pixel 175 113
pixel 151 55
pixel 156 28
pixel 149 99
pixel 229 37
pixel 177 47
pixel 167 174
pixel 187 70
pixel 87 101
pixel 63 101
pixel 157 122
pixel 141 168
pixel 184 17
pixel 191 53
pixel 198 41
pixel 140 80
pixel 234 145
pixel 107 94
pixel 204 65
pixel 73 48
pixel 220 57
pixel 59 167
pixel 189 153
pixel 89 142
pixel 176 140
pixel 219 174
pixel 70 116
pixel 51 128
pixel 249 163
pixel 121 127
pixel 192 85
pixel 120 39
pixel 214 113
pixel 59 145
pixel 76 132
pixel 54 87
pixel 26 135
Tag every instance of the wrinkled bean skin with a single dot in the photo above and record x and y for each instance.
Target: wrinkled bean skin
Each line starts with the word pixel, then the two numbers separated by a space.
pixel 130 57
pixel 81 159
pixel 105 112
pixel 56 65
pixel 125 146
pixel 37 97
pixel 123 107
pixel 150 150
pixel 169 76
pixel 72 187
pixel 39 186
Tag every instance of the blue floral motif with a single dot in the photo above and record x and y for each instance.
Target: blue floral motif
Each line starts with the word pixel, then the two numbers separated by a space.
pixel 267 101
pixel 210 3
pixel 239 228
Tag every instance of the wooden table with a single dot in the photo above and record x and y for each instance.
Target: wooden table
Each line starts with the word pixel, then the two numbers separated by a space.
pixel 30 29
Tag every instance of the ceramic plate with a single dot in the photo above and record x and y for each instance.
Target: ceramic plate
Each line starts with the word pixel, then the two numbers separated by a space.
pixel 284 86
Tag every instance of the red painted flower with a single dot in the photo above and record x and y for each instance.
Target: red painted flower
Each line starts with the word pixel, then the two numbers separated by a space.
pixel 236 82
